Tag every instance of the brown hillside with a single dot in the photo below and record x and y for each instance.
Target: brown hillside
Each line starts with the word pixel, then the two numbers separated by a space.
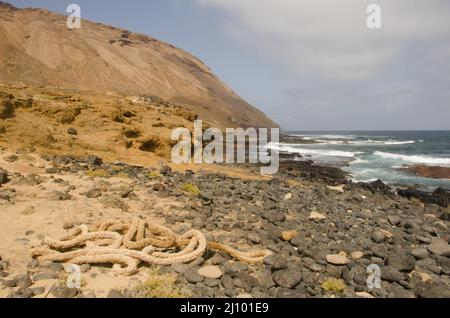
pixel 37 48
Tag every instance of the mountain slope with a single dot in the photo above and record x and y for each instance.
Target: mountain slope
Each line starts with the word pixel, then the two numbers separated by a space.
pixel 37 48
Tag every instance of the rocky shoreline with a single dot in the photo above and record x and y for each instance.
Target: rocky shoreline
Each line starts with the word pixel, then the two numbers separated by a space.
pixel 323 231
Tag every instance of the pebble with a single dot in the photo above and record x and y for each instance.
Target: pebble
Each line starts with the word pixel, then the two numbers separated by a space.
pixel 288 235
pixel 94 193
pixel 210 271
pixel 377 236
pixel 394 220
pixel 357 254
pixel 192 276
pixel 63 292
pixel 44 276
pixel 420 253
pixel 439 247
pixel 317 217
pixel 212 282
pixel 401 261
pixel 337 259
pixel 287 278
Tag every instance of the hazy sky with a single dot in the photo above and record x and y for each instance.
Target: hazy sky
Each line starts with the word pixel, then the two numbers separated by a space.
pixel 308 64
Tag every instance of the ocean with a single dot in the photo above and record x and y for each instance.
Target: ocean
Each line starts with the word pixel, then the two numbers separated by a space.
pixel 372 155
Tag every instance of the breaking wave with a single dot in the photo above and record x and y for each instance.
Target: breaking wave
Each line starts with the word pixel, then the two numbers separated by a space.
pixel 414 159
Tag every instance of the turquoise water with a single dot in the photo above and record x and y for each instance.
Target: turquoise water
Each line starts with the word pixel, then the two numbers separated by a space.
pixel 372 155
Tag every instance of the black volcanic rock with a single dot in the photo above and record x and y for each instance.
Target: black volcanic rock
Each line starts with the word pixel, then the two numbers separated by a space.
pixel 376 186
pixel 440 197
pixel 308 170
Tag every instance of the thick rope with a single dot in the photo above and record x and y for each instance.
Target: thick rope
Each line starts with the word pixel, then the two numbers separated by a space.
pixel 126 244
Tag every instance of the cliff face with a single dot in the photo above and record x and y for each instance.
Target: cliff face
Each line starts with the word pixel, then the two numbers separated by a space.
pixel 37 48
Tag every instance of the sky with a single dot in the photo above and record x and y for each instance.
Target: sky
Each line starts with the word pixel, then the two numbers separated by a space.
pixel 308 64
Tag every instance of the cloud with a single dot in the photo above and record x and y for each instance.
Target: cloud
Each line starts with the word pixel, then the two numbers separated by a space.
pixel 329 39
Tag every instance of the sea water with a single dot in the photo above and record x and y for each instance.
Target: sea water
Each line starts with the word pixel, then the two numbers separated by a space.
pixel 372 155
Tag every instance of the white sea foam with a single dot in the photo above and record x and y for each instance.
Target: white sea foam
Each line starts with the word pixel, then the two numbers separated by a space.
pixel 368 142
pixel 392 142
pixel 317 152
pixel 414 159
pixel 315 137
pixel 359 161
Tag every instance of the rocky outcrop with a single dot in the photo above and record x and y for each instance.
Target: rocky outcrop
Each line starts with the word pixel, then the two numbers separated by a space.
pixel 310 171
pixel 440 196
pixel 434 172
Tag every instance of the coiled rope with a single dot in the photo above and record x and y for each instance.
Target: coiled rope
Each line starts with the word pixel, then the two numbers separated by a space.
pixel 126 244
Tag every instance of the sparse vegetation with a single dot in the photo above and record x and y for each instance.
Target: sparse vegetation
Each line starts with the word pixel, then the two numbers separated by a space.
pixel 131 133
pixel 334 285
pixel 158 285
pixel 98 173
pixel 122 175
pixel 191 189
pixel 149 144
pixel 153 174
